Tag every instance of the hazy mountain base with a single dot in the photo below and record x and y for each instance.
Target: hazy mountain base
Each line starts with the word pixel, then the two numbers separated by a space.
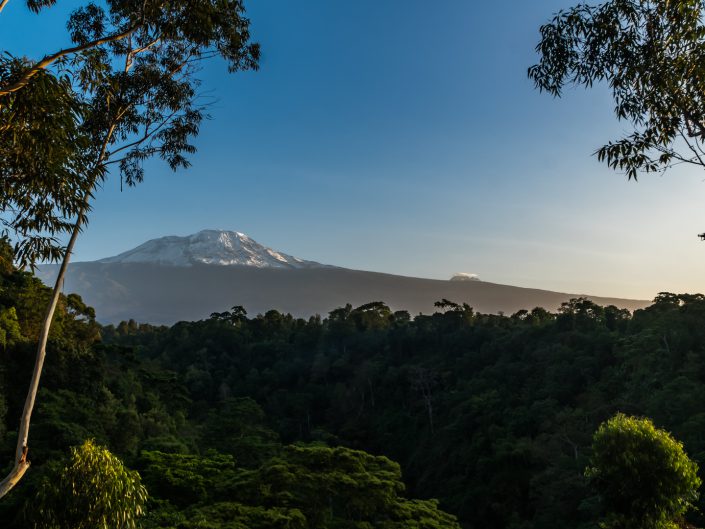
pixel 167 294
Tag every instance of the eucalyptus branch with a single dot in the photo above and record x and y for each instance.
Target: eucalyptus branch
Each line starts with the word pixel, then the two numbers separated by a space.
pixel 694 151
pixel 693 121
pixel 129 58
pixel 699 146
pixel 675 156
pixel 649 53
pixel 128 62
pixel 147 134
pixel 48 60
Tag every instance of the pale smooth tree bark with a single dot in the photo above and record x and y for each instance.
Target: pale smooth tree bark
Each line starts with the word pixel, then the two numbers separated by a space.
pixel 21 462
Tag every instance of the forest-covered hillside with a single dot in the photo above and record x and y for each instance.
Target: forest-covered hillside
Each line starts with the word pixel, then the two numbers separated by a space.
pixel 272 421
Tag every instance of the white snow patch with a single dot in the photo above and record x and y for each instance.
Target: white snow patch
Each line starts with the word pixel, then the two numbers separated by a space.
pixel 465 276
pixel 214 247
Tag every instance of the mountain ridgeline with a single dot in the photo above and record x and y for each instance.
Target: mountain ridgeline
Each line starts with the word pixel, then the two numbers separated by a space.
pixel 270 420
pixel 186 278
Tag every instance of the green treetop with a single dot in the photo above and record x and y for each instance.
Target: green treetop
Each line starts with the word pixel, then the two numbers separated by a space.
pixel 643 475
pixel 93 491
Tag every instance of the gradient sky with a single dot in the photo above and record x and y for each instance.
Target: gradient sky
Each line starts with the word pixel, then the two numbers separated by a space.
pixel 404 137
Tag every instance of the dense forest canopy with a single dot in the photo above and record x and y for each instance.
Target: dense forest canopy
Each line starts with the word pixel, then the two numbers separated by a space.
pixel 492 415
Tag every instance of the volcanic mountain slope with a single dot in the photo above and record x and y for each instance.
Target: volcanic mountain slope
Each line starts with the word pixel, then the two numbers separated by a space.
pixel 187 278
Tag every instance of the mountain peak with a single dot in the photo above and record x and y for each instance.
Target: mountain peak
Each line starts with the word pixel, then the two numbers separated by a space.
pixel 212 247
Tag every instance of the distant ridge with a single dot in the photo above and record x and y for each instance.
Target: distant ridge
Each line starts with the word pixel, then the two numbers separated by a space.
pixel 187 278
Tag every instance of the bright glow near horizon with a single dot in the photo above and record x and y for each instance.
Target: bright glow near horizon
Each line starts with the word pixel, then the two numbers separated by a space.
pixel 406 138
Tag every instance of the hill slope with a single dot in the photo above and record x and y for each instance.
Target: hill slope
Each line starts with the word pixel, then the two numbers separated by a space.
pixel 156 293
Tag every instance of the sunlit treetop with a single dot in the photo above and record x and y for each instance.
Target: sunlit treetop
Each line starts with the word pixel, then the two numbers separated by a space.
pixel 643 475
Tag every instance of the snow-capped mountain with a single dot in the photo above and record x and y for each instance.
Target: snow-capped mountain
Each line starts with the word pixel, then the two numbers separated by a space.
pixel 166 280
pixel 212 247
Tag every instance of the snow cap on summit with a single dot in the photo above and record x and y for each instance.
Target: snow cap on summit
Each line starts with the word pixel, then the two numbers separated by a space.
pixel 213 247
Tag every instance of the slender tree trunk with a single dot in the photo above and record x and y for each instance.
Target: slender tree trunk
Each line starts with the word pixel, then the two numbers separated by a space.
pixel 21 462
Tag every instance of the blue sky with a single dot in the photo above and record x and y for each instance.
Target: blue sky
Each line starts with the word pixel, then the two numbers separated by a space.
pixel 405 137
